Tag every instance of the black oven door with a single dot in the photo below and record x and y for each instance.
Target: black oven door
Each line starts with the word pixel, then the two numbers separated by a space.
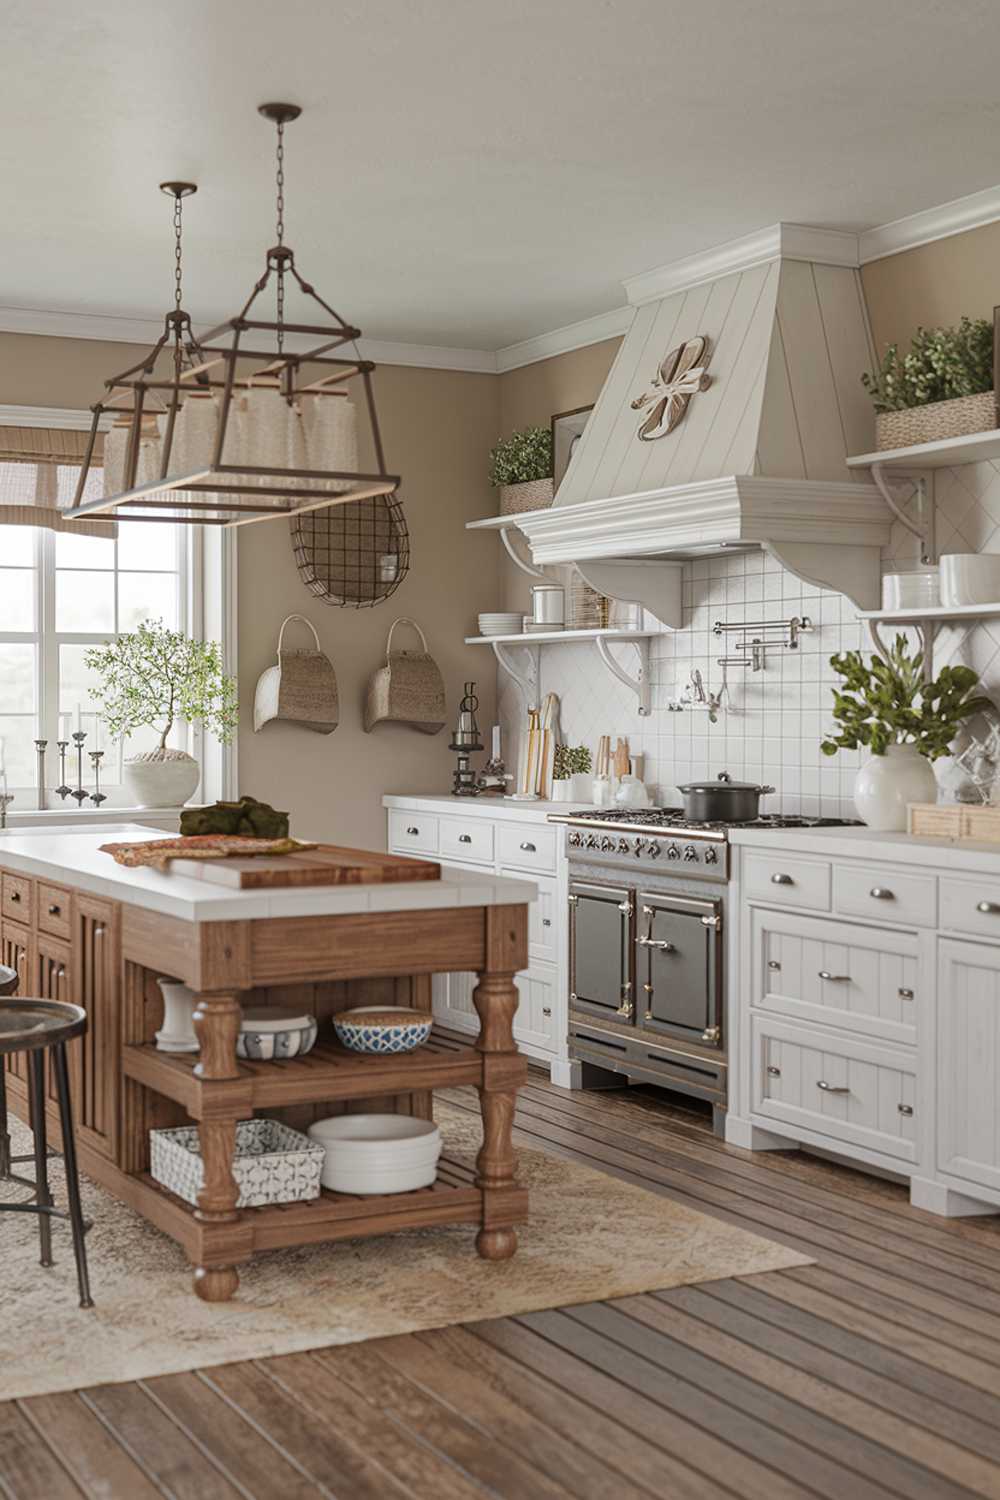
pixel 600 949
pixel 678 967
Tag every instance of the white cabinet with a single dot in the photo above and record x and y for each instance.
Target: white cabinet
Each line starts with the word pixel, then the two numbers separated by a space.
pixel 968 1063
pixel 481 838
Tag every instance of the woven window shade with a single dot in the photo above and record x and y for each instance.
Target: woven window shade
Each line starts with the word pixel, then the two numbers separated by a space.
pixel 39 467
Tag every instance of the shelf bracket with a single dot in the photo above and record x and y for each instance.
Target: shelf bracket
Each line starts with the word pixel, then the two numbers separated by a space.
pixel 640 683
pixel 924 529
pixel 527 680
pixel 515 556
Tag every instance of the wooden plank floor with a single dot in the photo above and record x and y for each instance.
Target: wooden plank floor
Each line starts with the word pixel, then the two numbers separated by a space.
pixel 874 1373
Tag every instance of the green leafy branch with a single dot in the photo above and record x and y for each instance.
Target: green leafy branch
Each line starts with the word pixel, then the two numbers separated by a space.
pixel 889 703
pixel 522 457
pixel 942 363
pixel 570 760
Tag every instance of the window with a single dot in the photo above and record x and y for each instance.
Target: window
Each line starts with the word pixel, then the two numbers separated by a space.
pixel 61 592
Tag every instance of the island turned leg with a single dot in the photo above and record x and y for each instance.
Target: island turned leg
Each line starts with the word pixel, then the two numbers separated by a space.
pixel 495 998
pixel 217 1024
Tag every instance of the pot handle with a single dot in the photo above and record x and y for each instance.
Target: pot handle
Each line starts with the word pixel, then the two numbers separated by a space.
pixel 763 791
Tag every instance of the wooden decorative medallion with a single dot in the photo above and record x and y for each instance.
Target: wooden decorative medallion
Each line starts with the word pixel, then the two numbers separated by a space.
pixel 679 376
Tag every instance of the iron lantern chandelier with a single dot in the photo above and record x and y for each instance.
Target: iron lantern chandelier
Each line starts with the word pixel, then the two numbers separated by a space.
pixel 232 427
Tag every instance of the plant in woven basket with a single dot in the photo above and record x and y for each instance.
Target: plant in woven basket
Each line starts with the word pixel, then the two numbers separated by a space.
pixel 570 760
pixel 522 457
pixel 890 703
pixel 942 364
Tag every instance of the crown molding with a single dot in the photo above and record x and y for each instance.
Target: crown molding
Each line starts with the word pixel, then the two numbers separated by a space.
pixel 62 417
pixel 830 247
pixel 608 325
pixel 956 217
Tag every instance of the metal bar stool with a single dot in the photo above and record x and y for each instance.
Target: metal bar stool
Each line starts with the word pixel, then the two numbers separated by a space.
pixel 8 984
pixel 35 1027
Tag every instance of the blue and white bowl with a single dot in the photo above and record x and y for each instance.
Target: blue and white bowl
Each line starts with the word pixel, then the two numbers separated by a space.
pixel 270 1034
pixel 381 1029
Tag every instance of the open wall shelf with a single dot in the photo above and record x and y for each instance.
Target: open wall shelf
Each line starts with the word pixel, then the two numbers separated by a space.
pixel 527 674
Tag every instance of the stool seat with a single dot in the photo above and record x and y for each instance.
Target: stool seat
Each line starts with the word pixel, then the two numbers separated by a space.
pixel 27 1024
pixel 8 980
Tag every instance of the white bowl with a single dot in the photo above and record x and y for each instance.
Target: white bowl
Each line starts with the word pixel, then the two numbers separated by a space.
pixel 970 578
pixel 911 590
pixel 268 1033
pixel 369 1154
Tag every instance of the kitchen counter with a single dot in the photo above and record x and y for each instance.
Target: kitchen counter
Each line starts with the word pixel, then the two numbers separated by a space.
pixel 487 807
pixel 869 843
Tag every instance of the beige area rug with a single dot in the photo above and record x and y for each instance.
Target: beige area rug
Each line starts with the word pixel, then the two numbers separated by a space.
pixel 590 1237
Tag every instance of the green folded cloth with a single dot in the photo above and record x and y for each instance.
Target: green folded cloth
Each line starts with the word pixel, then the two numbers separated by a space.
pixel 249 817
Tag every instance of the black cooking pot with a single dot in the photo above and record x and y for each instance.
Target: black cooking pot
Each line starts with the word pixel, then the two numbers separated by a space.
pixel 723 800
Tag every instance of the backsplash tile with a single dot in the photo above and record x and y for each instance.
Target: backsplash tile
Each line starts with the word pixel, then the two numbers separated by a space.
pixel 775 719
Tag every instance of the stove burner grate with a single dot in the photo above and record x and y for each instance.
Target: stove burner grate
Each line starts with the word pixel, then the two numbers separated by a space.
pixel 669 818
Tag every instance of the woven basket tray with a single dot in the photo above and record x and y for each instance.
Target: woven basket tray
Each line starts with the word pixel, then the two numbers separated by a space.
pixel 954 821
pixel 936 421
pixel 536 494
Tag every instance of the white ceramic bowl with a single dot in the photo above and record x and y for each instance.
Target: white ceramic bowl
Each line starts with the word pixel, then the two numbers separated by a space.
pixel 368 1154
pixel 911 590
pixel 970 578
pixel 268 1034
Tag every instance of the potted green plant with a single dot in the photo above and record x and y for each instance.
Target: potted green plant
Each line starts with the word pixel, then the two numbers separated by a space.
pixel 904 720
pixel 521 468
pixel 571 767
pixel 153 677
pixel 942 388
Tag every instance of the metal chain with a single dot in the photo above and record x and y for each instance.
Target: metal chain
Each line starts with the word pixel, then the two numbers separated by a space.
pixel 280 178
pixel 178 201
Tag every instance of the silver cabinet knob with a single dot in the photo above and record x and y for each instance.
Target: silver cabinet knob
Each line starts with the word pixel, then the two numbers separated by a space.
pixel 782 880
pixel 988 908
pixel 465 838
pixel 529 848
pixel 99 930
pixel 834 978
pixel 905 1109
pixel 831 1088
pixel 413 831
pixel 54 910
pixel 904 994
pixel 881 893
pixel 773 963
pixel 546 1010
pixel 773 1071
pixel 15 896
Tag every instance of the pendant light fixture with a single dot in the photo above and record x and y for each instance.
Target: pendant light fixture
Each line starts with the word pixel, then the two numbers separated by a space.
pixel 234 426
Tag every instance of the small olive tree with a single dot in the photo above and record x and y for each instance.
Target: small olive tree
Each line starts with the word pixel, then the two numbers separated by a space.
pixel 153 676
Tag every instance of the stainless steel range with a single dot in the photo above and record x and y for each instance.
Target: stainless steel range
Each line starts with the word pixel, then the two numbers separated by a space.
pixel 647 933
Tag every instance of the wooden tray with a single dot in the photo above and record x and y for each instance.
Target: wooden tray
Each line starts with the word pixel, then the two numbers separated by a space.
pixel 971 822
pixel 326 865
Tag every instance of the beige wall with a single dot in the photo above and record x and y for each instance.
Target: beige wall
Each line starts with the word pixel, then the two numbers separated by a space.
pixel 934 285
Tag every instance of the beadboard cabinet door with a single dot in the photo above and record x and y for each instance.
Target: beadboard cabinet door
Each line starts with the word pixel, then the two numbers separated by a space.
pixel 17 951
pixel 968 1050
pixel 97 1054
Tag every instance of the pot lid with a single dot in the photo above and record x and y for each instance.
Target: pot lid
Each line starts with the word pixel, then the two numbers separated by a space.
pixel 724 783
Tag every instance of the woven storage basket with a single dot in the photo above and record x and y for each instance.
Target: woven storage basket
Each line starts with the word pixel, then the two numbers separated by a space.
pixel 273 1163
pixel 409 689
pixel 537 494
pixel 936 421
pixel 301 689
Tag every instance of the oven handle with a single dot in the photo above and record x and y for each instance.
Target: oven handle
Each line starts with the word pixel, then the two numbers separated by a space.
pixel 648 942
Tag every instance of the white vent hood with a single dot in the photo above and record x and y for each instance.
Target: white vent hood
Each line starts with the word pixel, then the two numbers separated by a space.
pixel 759 457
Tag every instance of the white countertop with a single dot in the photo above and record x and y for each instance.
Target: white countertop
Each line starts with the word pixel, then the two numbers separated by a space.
pixel 487 807
pixel 869 843
pixel 73 857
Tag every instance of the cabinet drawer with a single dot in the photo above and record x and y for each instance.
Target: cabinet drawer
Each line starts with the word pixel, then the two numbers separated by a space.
pixel 17 898
pixel 412 832
pixel 526 847
pixel 535 1017
pixel 810 969
pixel 971 906
pixel 543 924
pixel 884 895
pixel 53 910
pixel 466 838
pixel 787 880
pixel 846 1089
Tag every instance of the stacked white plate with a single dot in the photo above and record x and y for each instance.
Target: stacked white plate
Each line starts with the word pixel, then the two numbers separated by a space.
pixel 500 624
pixel 377 1153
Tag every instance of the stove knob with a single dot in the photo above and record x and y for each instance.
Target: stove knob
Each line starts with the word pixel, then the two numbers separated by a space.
pixel 607 845
pixel 591 841
pixel 623 846
pixel 638 846
pixel 711 855
pixel 655 849
pixel 673 851
pixel 690 853
pixel 575 840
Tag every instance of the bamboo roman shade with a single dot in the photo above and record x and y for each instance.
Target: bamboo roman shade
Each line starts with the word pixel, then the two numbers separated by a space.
pixel 38 474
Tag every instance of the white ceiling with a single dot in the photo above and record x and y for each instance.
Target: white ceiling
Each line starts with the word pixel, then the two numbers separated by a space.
pixel 469 172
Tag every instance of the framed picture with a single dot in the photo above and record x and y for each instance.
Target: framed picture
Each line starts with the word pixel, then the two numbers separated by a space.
pixel 567 430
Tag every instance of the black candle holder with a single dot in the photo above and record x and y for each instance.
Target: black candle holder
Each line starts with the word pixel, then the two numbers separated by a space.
pixel 97 796
pixel 62 790
pixel 78 792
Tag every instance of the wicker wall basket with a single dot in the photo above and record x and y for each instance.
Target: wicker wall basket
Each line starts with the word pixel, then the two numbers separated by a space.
pixel 936 421
pixel 408 690
pixel 537 494
pixel 300 689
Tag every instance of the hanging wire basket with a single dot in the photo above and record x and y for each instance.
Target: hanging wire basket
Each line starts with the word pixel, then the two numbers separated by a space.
pixel 352 555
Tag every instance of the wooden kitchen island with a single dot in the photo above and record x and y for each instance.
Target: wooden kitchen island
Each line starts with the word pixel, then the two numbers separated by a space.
pixel 78 927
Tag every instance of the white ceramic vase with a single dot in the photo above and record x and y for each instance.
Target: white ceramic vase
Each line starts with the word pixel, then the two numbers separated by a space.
pixel 177 1034
pixel 158 779
pixel 562 791
pixel 886 783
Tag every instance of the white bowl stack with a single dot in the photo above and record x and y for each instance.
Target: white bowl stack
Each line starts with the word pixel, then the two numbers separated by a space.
pixel 369 1154
pixel 500 624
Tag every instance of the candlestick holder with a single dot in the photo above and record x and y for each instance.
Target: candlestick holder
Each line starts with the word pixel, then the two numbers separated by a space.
pixel 40 748
pixel 5 799
pixel 97 796
pixel 62 790
pixel 78 793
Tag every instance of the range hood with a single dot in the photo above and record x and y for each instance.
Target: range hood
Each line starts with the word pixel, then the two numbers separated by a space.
pixel 755 355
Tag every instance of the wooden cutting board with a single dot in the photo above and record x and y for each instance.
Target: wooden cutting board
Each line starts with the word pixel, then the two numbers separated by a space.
pixel 327 865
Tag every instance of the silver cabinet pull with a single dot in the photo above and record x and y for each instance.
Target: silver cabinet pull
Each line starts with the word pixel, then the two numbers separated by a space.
pixel 54 910
pixel 528 847
pixel 661 947
pixel 988 908
pixel 773 1071
pixel 546 1010
pixel 546 921
pixel 904 994
pixel 881 893
pixel 412 831
pixel 905 1109
pixel 465 838
pixel 834 978
pixel 99 931
pixel 15 896
pixel 773 963
pixel 831 1088
pixel 782 880
pixel 60 973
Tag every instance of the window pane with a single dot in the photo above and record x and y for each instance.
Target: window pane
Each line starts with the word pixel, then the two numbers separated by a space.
pixel 84 551
pixel 17 679
pixel 85 601
pixel 17 546
pixel 19 756
pixel 146 596
pixel 76 682
pixel 17 599
pixel 147 546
